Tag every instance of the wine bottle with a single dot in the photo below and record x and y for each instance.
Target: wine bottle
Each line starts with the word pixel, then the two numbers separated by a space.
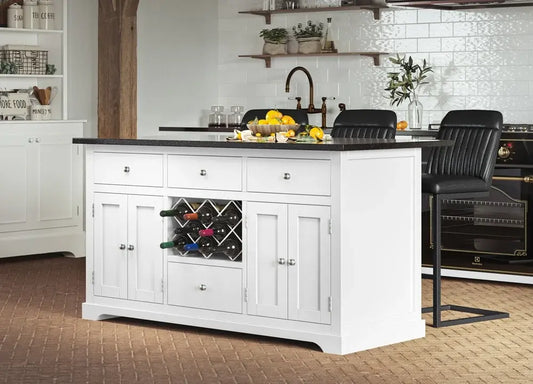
pixel 178 243
pixel 205 214
pixel 217 230
pixel 191 228
pixel 231 248
pixel 179 211
pixel 207 246
pixel 230 216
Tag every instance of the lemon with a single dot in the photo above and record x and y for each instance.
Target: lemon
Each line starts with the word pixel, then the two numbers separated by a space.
pixel 316 133
pixel 287 120
pixel 273 121
pixel 262 122
pixel 291 133
pixel 401 125
pixel 273 114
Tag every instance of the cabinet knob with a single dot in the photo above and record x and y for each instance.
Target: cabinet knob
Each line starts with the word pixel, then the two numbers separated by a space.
pixel 37 140
pixel 287 176
pixel 292 262
pixel 122 246
pixel 203 287
pixel 131 247
pixel 281 261
pixel 126 169
pixel 30 140
pixel 203 172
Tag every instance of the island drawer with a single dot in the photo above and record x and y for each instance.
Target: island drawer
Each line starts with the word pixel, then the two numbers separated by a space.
pixel 291 176
pixel 205 172
pixel 204 286
pixel 128 169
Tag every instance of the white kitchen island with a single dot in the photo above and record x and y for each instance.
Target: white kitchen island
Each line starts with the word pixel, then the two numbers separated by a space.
pixel 330 237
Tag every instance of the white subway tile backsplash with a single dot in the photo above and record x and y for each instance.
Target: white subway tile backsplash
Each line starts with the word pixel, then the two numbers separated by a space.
pixel 480 58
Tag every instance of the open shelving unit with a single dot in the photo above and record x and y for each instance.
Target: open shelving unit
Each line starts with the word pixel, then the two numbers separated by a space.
pixel 268 58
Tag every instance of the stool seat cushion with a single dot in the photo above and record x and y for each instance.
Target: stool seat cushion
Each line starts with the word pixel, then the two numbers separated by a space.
pixel 439 184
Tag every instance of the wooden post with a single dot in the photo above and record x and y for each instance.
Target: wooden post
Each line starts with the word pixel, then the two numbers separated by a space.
pixel 117 69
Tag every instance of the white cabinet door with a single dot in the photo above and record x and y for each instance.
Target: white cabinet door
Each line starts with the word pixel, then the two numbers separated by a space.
pixel 309 263
pixel 128 262
pixel 14 163
pixel 288 255
pixel 145 257
pixel 267 257
pixel 57 180
pixel 110 245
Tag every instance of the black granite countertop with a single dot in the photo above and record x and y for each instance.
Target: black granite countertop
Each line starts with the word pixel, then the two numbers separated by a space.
pixel 337 144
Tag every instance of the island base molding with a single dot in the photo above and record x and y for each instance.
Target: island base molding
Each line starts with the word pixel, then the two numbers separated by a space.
pixel 359 339
pixel 69 242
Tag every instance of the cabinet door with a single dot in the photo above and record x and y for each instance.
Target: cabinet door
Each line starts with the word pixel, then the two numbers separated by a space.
pixel 14 198
pixel 309 263
pixel 57 181
pixel 145 257
pixel 266 257
pixel 110 245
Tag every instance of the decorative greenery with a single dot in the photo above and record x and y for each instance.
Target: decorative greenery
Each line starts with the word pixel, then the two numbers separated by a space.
pixel 275 35
pixel 403 84
pixel 310 30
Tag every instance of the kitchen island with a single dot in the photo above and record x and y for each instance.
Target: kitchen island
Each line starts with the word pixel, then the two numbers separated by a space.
pixel 325 237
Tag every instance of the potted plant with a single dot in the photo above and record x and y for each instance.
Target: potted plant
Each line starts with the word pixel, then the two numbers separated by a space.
pixel 403 85
pixel 275 41
pixel 308 37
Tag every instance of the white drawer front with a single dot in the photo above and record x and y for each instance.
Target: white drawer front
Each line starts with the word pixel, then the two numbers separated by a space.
pixel 205 172
pixel 128 169
pixel 206 287
pixel 291 176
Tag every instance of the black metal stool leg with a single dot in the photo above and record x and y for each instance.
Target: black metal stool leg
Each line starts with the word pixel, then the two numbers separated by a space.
pixel 437 308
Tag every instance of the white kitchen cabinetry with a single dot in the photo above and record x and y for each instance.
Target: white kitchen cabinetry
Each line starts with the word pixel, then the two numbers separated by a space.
pixel 289 261
pixel 325 235
pixel 42 188
pixel 128 262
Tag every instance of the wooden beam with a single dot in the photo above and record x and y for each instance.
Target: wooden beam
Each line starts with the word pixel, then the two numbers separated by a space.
pixel 117 69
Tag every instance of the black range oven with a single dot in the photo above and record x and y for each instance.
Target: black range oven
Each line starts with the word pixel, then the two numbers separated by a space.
pixel 489 238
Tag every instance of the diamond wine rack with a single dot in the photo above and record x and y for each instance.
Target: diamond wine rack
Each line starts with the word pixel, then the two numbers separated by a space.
pixel 226 240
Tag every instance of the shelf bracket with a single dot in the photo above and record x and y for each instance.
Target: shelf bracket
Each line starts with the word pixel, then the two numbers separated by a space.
pixel 374 56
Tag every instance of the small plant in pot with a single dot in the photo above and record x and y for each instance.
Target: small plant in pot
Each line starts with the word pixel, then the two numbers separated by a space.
pixel 275 41
pixel 309 36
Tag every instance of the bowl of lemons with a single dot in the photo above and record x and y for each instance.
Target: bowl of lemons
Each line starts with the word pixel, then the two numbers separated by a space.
pixel 274 121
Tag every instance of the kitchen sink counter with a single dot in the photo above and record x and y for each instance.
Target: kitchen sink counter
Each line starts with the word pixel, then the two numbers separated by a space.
pixel 209 141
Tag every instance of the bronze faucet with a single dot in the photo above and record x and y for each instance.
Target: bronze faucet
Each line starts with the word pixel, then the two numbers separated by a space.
pixel 311 107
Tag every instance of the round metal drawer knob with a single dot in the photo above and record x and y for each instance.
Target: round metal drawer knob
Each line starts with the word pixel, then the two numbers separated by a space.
pixel 292 262
pixel 126 169
pixel 122 246
pixel 203 287
pixel 281 261
pixel 287 176
pixel 131 247
pixel 203 172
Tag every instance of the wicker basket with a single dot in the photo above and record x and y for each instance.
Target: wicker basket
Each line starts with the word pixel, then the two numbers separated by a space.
pixel 28 62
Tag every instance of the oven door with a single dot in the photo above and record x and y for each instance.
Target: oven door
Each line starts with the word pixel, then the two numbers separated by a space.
pixel 489 234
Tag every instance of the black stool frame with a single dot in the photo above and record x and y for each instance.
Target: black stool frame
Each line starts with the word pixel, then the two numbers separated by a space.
pixel 437 308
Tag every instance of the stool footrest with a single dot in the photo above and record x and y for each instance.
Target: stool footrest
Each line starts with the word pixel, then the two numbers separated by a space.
pixel 484 315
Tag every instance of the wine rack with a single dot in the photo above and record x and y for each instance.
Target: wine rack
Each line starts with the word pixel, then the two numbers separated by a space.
pixel 231 229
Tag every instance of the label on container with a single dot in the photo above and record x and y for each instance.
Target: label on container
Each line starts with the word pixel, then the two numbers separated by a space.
pixel 15 104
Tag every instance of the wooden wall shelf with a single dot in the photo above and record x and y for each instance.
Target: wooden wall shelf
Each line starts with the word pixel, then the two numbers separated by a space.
pixel 375 9
pixel 268 58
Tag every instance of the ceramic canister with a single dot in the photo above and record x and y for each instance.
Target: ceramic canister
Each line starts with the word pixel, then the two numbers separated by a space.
pixel 47 14
pixel 15 16
pixel 31 14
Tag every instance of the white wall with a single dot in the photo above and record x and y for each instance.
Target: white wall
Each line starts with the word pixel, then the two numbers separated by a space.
pixel 481 59
pixel 82 49
pixel 177 63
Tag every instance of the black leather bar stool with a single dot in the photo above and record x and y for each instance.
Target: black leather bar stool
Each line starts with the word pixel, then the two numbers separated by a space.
pixel 463 170
pixel 299 115
pixel 365 124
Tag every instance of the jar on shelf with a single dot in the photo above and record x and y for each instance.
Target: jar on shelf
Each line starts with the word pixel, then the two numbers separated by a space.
pixel 15 16
pixel 234 119
pixel 47 14
pixel 31 14
pixel 217 118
